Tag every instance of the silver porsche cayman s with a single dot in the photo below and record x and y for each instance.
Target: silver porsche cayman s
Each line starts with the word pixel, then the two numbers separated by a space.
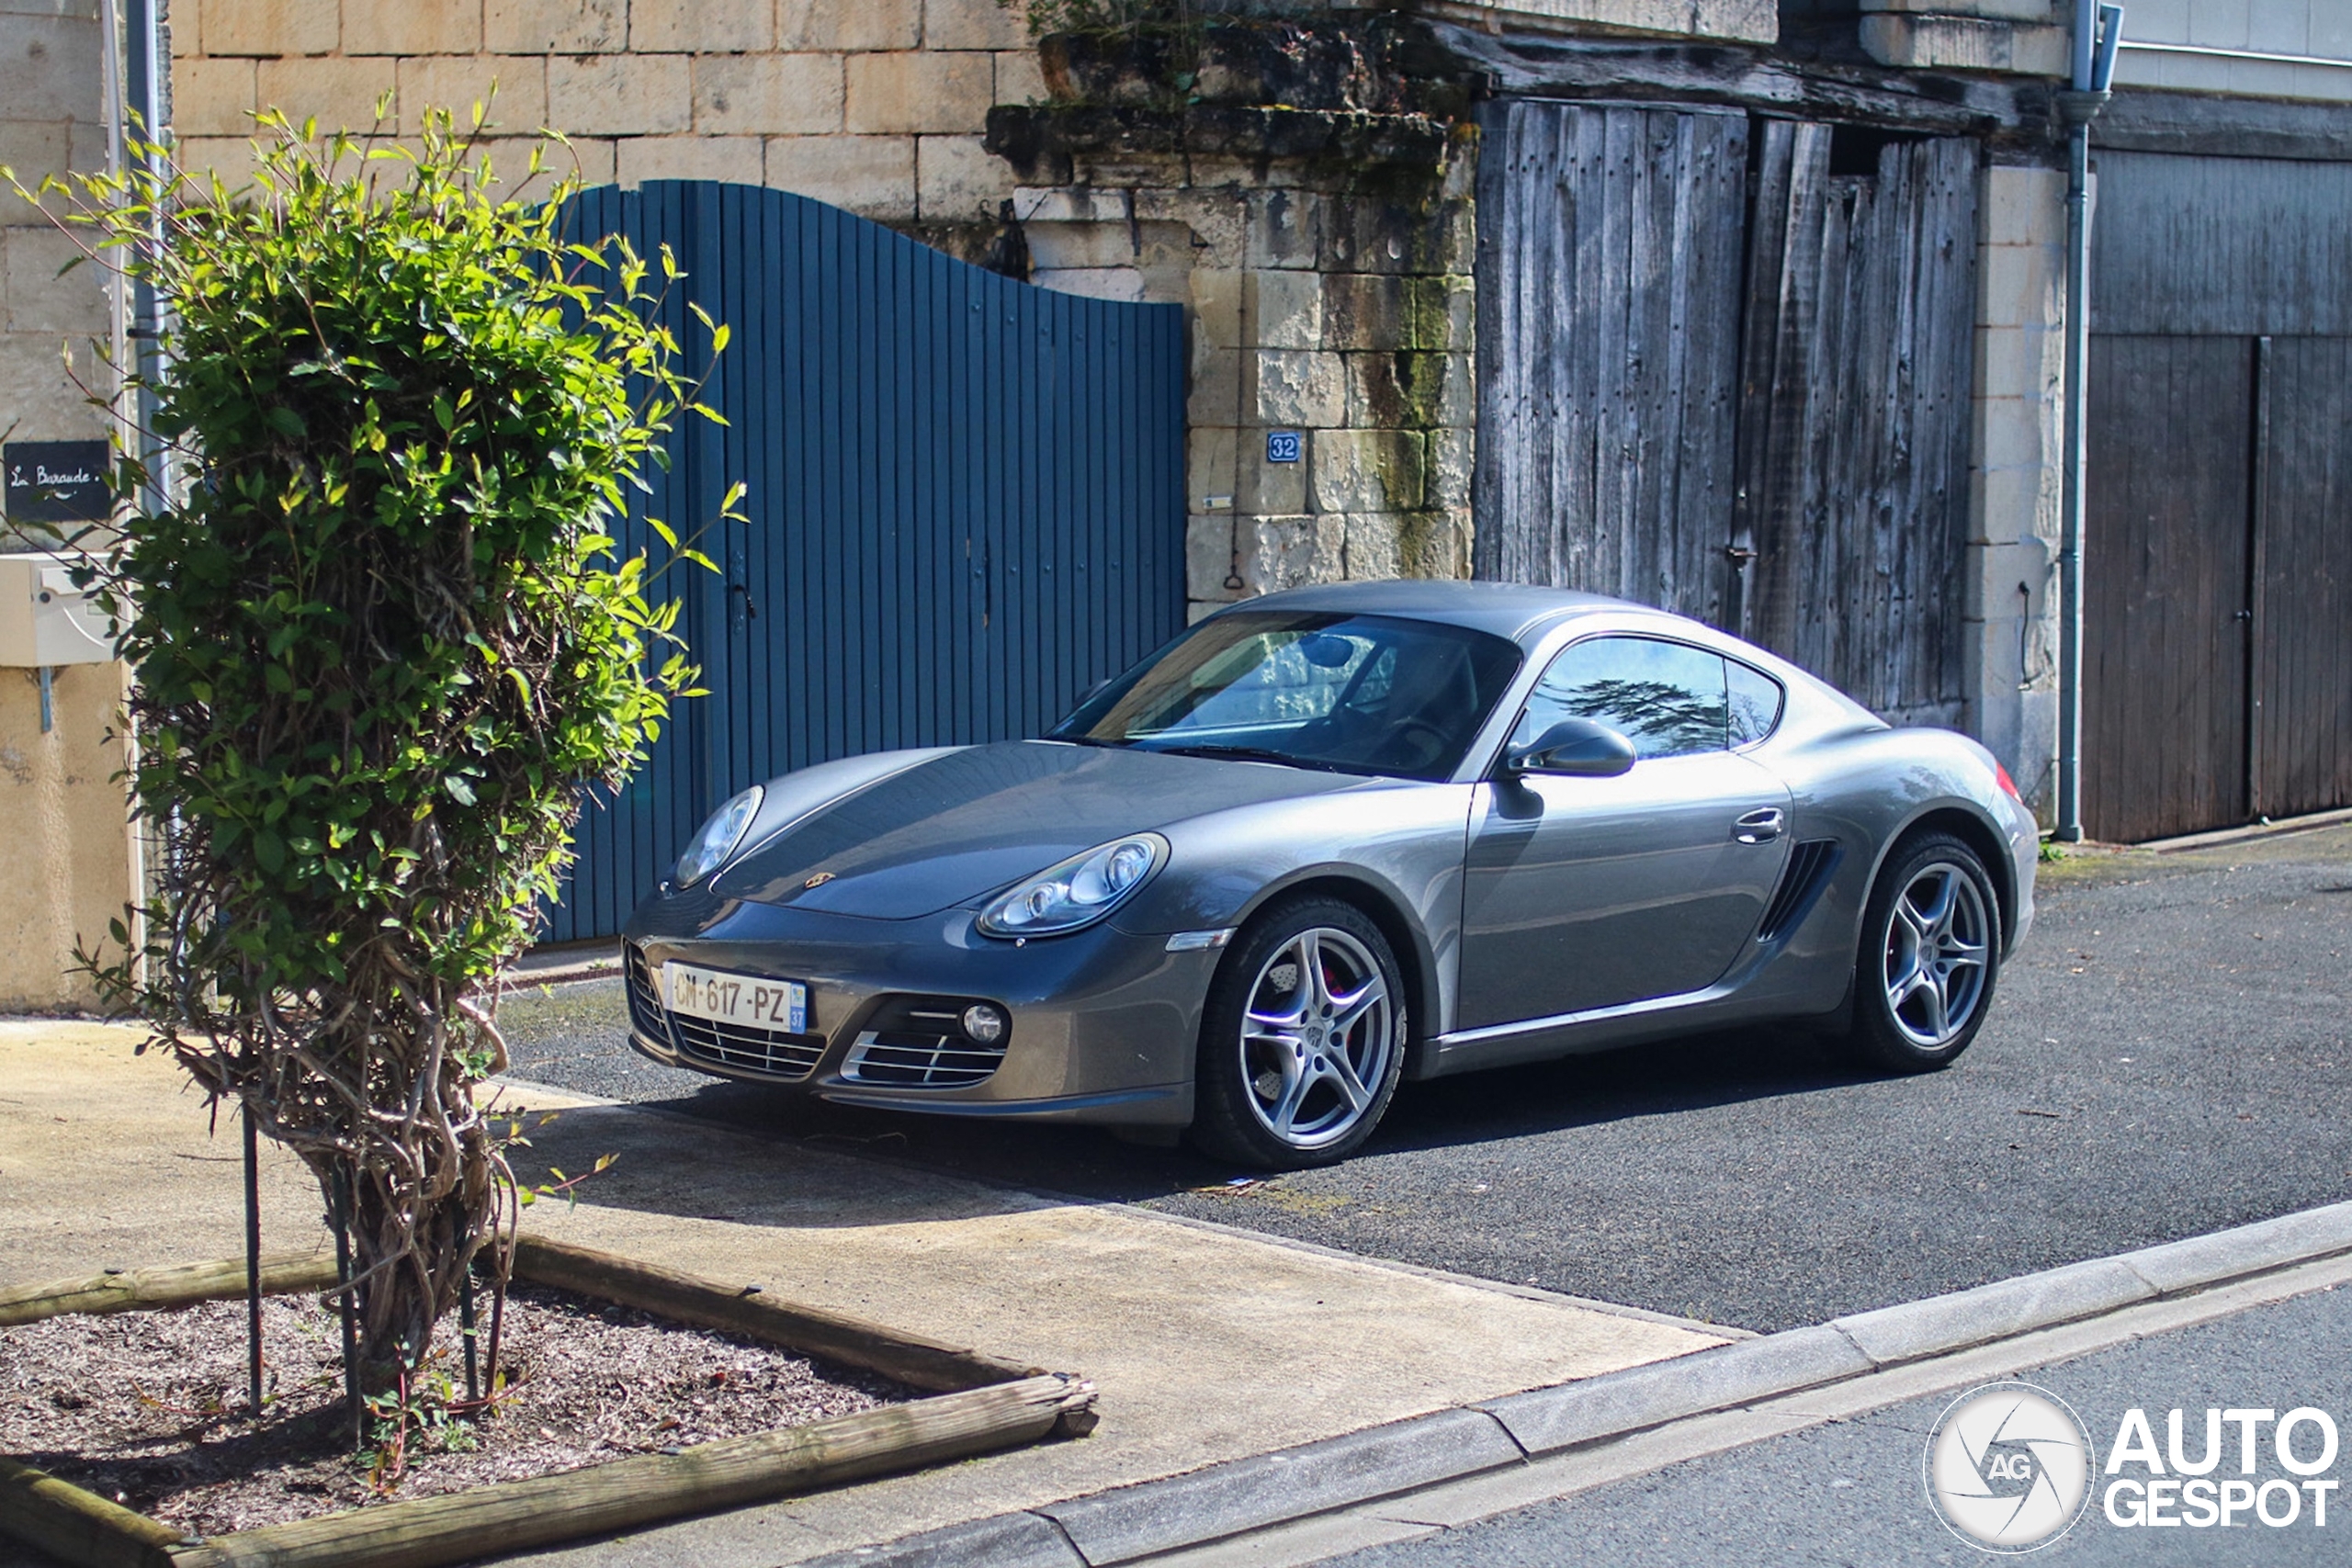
pixel 1335 837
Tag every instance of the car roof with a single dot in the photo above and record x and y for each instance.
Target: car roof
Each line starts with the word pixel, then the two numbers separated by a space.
pixel 1516 611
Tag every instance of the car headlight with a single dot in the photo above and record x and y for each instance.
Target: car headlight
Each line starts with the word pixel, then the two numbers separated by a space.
pixel 1078 892
pixel 718 837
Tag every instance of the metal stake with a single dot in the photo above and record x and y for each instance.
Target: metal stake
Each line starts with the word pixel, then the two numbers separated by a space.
pixel 342 1218
pixel 466 1331
pixel 48 702
pixel 252 1262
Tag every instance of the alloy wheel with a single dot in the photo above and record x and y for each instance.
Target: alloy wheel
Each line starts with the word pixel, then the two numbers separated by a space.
pixel 1935 953
pixel 1316 1037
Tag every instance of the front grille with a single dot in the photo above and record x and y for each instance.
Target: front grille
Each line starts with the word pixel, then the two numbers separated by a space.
pixel 644 1000
pixel 920 1043
pixel 1810 864
pixel 770 1053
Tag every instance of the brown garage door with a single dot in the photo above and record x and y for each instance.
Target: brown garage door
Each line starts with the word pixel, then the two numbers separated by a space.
pixel 2218 545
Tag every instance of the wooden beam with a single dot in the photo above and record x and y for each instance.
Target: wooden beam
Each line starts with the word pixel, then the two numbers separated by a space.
pixel 79 1527
pixel 2140 120
pixel 179 1284
pixel 911 1359
pixel 516 1514
pixel 2013 110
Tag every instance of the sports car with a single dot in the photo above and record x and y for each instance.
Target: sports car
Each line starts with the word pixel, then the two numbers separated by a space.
pixel 1333 838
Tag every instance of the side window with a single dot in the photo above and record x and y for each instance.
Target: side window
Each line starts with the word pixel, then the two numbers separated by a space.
pixel 1756 701
pixel 1668 699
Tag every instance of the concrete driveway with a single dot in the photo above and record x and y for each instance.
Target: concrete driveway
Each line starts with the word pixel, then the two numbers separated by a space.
pixel 2170 1053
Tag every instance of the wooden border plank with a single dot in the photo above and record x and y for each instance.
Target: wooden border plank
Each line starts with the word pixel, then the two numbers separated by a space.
pixel 174 1285
pixel 514 1515
pixel 992 1404
pixel 666 1293
pixel 79 1527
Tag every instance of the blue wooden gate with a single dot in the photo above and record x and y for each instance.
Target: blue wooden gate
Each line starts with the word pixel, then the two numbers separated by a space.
pixel 965 499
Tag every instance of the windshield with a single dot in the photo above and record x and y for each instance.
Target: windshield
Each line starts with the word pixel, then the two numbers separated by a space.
pixel 1352 694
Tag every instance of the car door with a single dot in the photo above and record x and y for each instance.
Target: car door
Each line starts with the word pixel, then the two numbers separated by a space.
pixel 1589 892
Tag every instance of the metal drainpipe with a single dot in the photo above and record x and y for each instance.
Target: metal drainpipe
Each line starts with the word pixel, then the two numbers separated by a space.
pixel 2078 105
pixel 143 90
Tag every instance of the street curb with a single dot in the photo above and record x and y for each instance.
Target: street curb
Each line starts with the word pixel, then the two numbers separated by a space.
pixel 1999 1311
pixel 1249 1494
pixel 1546 1420
pixel 1152 1517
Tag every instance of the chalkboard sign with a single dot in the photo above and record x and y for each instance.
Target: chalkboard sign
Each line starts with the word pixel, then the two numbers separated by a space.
pixel 55 481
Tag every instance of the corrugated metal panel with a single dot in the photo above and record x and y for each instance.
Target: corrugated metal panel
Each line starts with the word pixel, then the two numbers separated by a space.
pixel 2303 600
pixel 966 504
pixel 2222 246
pixel 2164 563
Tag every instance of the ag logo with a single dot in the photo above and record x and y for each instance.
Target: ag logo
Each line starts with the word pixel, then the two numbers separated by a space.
pixel 2008 1467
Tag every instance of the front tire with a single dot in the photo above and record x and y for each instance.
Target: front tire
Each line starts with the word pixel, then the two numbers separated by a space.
pixel 1303 1038
pixel 1930 955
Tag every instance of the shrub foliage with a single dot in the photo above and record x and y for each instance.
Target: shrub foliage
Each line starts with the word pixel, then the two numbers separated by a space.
pixel 382 637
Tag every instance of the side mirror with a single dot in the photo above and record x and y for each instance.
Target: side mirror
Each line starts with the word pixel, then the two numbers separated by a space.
pixel 1577 747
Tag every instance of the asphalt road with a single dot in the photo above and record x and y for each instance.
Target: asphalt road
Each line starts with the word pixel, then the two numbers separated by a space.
pixel 1851 1493
pixel 2171 1053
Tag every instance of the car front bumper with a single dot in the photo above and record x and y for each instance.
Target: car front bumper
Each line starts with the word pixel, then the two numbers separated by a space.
pixel 1103 1022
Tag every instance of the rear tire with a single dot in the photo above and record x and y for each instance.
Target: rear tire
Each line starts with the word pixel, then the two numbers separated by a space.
pixel 1303 1038
pixel 1929 957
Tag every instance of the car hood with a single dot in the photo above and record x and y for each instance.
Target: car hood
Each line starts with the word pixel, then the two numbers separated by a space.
pixel 952 830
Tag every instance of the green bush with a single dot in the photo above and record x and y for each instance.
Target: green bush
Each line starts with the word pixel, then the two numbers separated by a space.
pixel 381 638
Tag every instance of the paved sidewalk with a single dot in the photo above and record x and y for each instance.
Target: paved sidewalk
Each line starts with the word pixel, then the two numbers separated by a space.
pixel 1207 1345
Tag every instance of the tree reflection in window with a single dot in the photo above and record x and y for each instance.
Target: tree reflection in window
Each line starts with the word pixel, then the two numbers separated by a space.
pixel 1667 698
pixel 1660 718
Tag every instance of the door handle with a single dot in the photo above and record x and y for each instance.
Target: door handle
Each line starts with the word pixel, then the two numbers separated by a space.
pixel 1759 827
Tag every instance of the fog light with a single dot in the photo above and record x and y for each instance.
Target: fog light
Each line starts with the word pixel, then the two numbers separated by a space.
pixel 984 1023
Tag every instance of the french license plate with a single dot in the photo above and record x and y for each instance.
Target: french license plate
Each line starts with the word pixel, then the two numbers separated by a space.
pixel 745 999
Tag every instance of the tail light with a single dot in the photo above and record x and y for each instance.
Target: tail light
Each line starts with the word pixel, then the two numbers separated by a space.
pixel 2008 785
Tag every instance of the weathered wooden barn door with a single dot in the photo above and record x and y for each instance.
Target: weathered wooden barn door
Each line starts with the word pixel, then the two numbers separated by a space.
pixel 965 498
pixel 1679 380
pixel 2218 545
pixel 1610 243
pixel 1854 414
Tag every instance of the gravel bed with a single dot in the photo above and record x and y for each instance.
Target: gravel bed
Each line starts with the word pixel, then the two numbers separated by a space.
pixel 148 1407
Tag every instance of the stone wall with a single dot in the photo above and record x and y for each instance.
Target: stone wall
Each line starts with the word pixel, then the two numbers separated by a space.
pixel 1753 21
pixel 2028 36
pixel 875 106
pixel 2016 474
pixel 51 121
pixel 1327 299
pixel 70 854
pixel 70 862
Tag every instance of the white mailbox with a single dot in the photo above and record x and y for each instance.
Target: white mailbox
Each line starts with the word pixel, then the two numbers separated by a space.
pixel 44 619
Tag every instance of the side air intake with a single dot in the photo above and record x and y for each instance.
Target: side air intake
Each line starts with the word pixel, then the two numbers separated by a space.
pixel 1810 864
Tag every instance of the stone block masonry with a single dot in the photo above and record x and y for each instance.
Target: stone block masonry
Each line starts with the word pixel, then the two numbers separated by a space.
pixel 877 105
pixel 2011 621
pixel 73 862
pixel 1324 307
